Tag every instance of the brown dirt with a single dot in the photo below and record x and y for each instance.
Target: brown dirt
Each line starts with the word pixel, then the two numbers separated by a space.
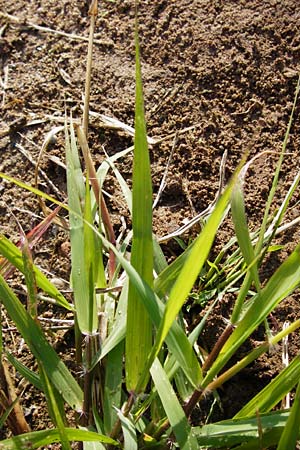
pixel 227 68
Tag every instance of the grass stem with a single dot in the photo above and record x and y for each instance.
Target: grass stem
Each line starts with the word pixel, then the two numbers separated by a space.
pixel 93 11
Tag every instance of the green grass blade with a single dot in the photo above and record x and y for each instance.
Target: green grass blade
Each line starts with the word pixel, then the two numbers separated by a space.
pixel 272 192
pixel 139 326
pixel 244 241
pixel 39 439
pixel 29 279
pixel 112 387
pixel 252 356
pixel 14 255
pixel 167 277
pixel 41 349
pixel 31 189
pixel 290 433
pixel 282 283
pixel 80 237
pixel 99 427
pixel 178 343
pixel 191 269
pixel 28 374
pixel 90 259
pixel 230 433
pixel 176 340
pixel 242 231
pixel 118 331
pixel 160 262
pixel 183 387
pixel 7 412
pixel 1 335
pixel 104 168
pixel 172 364
pixel 124 186
pixel 172 407
pixel 93 446
pixel 274 392
pixel 183 352
pixel 129 433
pixel 55 408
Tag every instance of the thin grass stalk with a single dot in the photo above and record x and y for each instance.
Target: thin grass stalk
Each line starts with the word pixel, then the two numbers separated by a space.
pixel 260 241
pixel 78 348
pixel 282 283
pixel 217 348
pixel 93 11
pixel 252 356
pixel 10 402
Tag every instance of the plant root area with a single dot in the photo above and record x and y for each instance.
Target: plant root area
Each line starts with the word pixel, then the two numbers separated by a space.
pixel 219 76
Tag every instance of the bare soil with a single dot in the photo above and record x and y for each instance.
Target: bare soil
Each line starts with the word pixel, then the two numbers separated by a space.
pixel 226 68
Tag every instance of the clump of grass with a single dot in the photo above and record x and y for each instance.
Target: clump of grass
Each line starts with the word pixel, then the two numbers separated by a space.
pixel 143 373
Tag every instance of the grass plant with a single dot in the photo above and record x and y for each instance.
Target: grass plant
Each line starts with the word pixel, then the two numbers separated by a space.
pixel 143 373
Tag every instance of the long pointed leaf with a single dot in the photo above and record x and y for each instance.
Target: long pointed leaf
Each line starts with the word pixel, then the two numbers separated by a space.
pixel 174 411
pixel 80 239
pixel 14 255
pixel 191 269
pixel 176 340
pixel 230 433
pixel 139 326
pixel 242 231
pixel 129 432
pixel 274 392
pixel 89 260
pixel 39 439
pixel 28 374
pixel 56 408
pixel 41 349
pixel 282 283
pixel 290 433
pixel 112 387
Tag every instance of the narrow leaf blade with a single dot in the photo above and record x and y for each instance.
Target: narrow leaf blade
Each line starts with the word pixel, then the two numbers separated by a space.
pixel 41 349
pixel 290 433
pixel 282 283
pixel 139 326
pixel 174 411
